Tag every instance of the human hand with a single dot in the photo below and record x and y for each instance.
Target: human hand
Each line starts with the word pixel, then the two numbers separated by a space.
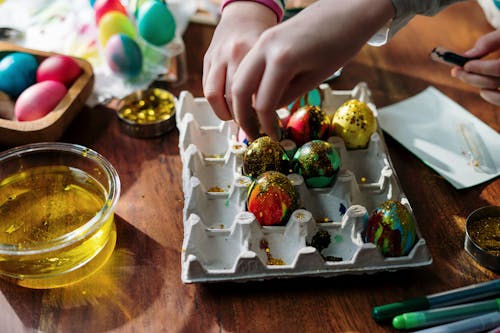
pixel 297 55
pixel 483 74
pixel 240 26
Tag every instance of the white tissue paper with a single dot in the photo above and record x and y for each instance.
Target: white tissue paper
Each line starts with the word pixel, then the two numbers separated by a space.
pixel 445 136
pixel 69 27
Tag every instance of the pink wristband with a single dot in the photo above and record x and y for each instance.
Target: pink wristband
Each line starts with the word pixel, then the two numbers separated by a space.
pixel 277 9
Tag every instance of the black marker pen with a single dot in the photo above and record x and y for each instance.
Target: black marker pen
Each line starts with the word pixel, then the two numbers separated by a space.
pixel 440 54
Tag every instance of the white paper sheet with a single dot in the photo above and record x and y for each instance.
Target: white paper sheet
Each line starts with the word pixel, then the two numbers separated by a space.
pixel 445 136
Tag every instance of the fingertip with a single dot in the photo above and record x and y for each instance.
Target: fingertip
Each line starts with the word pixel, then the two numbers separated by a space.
pixel 474 52
pixel 218 104
pixel 491 96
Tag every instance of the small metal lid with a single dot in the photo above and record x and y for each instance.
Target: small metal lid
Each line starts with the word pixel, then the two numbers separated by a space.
pixel 147 113
pixel 482 236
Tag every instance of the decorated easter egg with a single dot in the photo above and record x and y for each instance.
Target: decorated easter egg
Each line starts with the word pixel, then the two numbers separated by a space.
pixel 114 23
pixel 155 23
pixel 17 72
pixel 38 100
pixel 6 107
pixel 354 122
pixel 391 228
pixel 272 198
pixel 60 68
pixel 123 55
pixel 265 154
pixel 308 123
pixel 102 7
pixel 317 162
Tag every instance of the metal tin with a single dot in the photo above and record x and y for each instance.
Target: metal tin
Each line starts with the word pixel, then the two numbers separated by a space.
pixel 485 254
pixel 147 113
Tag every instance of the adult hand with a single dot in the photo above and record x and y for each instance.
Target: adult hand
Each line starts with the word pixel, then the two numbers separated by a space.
pixel 293 57
pixel 483 74
pixel 241 24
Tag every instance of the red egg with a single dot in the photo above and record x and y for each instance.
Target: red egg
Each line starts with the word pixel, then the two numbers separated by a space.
pixel 101 7
pixel 306 124
pixel 38 100
pixel 60 68
pixel 272 198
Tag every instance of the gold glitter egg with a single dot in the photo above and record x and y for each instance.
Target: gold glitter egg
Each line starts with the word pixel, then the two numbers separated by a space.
pixel 354 122
pixel 265 154
pixel 147 113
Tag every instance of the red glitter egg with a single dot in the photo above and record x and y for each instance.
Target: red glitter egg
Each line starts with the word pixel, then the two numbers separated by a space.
pixel 308 123
pixel 272 198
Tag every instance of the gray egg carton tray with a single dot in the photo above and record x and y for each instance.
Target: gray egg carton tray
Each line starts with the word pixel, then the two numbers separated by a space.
pixel 224 242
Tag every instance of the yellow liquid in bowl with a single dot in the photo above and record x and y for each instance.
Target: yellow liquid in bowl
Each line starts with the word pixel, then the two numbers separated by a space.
pixel 44 213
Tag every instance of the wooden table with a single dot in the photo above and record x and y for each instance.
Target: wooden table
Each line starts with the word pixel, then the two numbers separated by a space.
pixel 140 289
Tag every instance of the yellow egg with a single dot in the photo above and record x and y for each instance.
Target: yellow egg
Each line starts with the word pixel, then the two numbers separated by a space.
pixel 113 23
pixel 354 122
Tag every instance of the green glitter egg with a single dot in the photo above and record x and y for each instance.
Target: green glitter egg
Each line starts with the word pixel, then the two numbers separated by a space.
pixel 317 162
pixel 265 154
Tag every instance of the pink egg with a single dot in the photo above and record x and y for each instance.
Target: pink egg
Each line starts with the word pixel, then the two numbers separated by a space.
pixel 38 100
pixel 101 7
pixel 60 68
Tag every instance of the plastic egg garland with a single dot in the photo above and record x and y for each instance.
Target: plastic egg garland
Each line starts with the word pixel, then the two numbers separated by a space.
pixel 17 72
pixel 392 229
pixel 264 154
pixel 113 23
pixel 308 123
pixel 317 162
pixel 272 199
pixel 38 100
pixel 155 23
pixel 60 68
pixel 354 122
pixel 123 55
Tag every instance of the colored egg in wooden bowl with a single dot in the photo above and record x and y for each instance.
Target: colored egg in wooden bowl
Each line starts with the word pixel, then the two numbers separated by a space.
pixel 61 97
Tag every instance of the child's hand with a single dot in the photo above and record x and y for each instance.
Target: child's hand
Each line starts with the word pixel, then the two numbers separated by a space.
pixel 483 74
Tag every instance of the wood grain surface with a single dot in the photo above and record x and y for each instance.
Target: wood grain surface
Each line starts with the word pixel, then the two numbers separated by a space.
pixel 140 289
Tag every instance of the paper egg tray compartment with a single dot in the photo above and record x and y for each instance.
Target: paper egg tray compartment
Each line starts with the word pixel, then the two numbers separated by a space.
pixel 224 242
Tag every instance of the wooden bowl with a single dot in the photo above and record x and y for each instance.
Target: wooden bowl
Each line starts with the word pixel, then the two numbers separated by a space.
pixel 52 126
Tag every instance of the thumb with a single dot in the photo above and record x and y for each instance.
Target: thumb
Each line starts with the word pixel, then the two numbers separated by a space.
pixel 485 45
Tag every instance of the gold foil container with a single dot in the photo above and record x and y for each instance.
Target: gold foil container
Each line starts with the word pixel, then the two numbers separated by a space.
pixel 147 113
pixel 482 236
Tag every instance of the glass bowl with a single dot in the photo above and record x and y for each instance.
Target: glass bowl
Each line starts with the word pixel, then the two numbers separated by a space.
pixel 57 203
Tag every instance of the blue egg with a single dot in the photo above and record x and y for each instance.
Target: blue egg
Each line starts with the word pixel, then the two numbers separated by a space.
pixel 17 72
pixel 123 55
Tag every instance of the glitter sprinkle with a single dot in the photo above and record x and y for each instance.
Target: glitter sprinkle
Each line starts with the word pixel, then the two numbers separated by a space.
pixel 216 189
pixel 271 261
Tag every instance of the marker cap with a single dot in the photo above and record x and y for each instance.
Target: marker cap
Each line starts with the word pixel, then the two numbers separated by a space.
pixel 387 312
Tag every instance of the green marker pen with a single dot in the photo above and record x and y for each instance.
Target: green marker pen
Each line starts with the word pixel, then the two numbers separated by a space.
pixel 437 316
pixel 462 295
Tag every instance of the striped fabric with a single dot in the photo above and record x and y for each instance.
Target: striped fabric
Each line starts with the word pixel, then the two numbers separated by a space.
pixel 277 6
